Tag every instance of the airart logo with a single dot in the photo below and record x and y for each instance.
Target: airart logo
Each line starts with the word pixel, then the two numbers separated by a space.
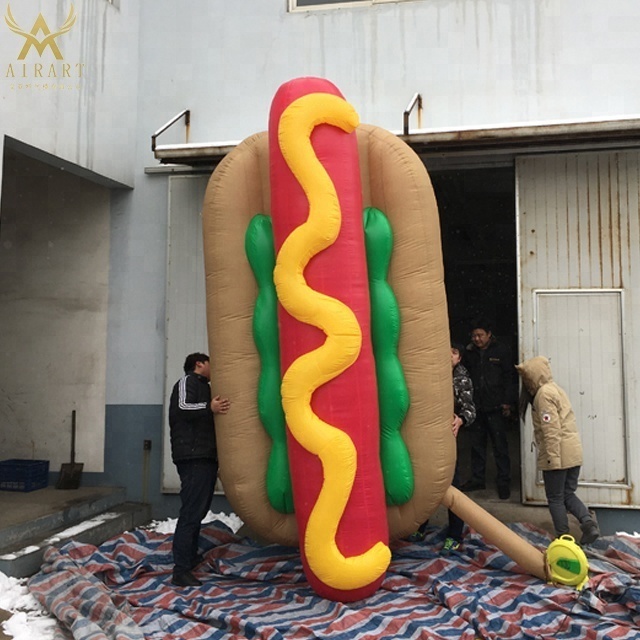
pixel 43 41
pixel 40 25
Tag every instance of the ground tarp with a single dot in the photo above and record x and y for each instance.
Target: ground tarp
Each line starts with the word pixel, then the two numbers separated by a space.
pixel 122 591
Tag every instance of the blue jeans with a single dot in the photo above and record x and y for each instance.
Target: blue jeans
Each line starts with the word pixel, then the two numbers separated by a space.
pixel 197 482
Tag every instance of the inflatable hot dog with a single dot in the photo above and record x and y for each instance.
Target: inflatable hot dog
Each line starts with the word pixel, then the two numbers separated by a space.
pixel 311 178
pixel 328 327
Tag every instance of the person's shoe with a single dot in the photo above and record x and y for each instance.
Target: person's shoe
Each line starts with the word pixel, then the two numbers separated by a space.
pixel 590 532
pixel 417 536
pixel 504 493
pixel 450 544
pixel 472 485
pixel 185 579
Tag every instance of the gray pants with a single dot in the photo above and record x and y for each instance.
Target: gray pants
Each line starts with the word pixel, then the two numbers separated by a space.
pixel 560 486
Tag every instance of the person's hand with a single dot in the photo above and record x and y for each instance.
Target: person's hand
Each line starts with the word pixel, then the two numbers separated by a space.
pixel 457 423
pixel 506 410
pixel 220 405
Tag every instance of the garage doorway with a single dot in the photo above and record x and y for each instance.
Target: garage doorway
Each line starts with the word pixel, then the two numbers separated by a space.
pixel 478 225
pixel 54 274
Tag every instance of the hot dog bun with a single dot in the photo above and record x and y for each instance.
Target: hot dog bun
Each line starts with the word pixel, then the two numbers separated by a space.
pixel 395 181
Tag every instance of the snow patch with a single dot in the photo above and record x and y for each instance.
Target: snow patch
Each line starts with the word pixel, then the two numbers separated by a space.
pixel 21 552
pixel 79 528
pixel 169 526
pixel 30 620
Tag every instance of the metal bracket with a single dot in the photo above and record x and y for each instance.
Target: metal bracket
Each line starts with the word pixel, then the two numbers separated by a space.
pixel 417 99
pixel 187 121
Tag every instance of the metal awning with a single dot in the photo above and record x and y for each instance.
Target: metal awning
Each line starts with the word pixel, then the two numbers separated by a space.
pixel 504 141
pixel 521 138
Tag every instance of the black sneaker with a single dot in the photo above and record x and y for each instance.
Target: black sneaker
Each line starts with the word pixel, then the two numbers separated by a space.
pixel 472 485
pixel 504 493
pixel 185 579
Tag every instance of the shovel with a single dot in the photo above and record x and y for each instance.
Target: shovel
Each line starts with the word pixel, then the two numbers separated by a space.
pixel 71 472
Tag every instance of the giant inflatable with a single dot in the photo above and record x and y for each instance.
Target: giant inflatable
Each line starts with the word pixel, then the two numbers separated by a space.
pixel 328 329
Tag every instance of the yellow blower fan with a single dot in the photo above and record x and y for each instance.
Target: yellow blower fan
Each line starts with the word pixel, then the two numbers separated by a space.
pixel 567 563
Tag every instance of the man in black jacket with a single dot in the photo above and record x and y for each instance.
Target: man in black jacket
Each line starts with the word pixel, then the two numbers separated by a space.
pixel 193 450
pixel 495 389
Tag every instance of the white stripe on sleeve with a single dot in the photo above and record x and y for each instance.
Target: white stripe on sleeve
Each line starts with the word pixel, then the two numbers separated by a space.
pixel 182 398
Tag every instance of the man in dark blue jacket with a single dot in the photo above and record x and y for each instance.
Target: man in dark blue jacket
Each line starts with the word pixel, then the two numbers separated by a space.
pixel 193 450
pixel 495 390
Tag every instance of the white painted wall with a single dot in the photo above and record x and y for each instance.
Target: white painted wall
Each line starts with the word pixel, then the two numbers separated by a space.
pixel 136 344
pixel 476 62
pixel 89 120
pixel 186 309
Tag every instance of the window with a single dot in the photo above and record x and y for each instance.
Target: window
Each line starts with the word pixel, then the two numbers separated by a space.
pixel 323 4
pixel 298 4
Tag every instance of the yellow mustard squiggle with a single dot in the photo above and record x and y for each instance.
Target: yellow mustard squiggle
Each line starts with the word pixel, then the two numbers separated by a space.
pixel 340 350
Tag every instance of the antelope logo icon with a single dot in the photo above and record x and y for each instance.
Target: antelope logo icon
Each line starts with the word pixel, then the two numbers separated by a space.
pixel 40 26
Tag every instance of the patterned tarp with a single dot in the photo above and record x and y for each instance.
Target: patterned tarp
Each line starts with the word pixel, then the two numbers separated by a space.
pixel 122 591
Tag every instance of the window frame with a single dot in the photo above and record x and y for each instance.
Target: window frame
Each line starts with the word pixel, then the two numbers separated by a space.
pixel 292 5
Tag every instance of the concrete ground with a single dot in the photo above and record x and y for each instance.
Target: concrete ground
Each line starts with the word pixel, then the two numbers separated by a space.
pixel 17 507
pixel 4 615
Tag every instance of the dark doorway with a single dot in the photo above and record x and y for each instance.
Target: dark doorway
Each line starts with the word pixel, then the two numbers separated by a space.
pixel 478 224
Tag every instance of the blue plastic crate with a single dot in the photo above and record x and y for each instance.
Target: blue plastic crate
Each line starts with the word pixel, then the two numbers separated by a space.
pixel 24 475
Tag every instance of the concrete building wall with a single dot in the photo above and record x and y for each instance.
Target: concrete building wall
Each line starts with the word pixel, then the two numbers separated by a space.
pixel 54 266
pixel 475 62
pixel 79 107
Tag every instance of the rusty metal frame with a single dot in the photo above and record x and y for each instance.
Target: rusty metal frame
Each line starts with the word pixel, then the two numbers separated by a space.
pixel 187 122
pixel 416 100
